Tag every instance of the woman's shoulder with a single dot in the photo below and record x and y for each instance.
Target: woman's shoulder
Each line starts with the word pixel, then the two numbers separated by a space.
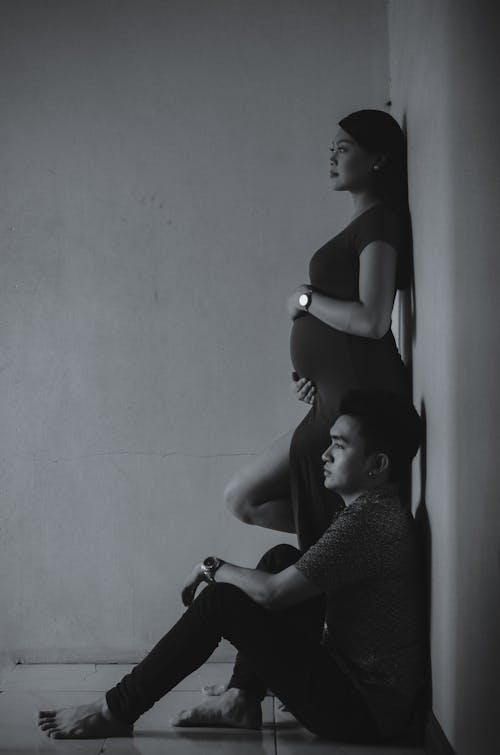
pixel 378 223
pixel 376 215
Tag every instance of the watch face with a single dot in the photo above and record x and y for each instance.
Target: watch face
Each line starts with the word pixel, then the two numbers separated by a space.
pixel 304 300
pixel 210 561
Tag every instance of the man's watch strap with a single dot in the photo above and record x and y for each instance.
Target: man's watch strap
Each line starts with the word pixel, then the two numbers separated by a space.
pixel 209 566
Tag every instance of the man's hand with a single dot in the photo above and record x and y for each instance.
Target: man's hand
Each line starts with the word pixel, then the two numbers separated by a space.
pixel 191 585
pixel 292 302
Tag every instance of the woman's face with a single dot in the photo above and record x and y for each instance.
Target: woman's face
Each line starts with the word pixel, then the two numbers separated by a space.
pixel 351 167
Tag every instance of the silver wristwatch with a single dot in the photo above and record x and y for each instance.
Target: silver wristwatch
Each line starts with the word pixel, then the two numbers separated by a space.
pixel 208 568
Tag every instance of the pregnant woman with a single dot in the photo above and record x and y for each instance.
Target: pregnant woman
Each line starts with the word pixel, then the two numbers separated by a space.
pixel 341 337
pixel 340 340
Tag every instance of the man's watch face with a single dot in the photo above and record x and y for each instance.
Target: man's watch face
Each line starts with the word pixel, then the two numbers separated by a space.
pixel 304 300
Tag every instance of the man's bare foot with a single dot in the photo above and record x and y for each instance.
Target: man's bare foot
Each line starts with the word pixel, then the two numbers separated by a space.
pixel 234 707
pixel 213 690
pixel 91 721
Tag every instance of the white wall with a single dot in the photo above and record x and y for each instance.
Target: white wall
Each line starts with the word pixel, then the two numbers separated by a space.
pixel 164 183
pixel 445 77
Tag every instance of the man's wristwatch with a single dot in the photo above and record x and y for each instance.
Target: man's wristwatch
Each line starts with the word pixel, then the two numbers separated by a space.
pixel 305 299
pixel 208 568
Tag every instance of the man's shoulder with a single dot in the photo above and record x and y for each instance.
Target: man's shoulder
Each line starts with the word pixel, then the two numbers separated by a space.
pixel 379 511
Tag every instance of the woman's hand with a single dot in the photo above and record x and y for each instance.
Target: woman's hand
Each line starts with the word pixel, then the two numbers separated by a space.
pixel 191 585
pixel 292 302
pixel 303 389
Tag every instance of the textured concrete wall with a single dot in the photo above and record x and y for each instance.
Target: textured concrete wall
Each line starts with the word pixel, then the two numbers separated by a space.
pixel 445 74
pixel 164 183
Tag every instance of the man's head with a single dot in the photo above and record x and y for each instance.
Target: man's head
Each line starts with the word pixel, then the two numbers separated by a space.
pixel 373 441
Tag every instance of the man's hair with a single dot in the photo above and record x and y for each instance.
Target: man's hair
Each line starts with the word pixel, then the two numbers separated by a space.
pixel 388 424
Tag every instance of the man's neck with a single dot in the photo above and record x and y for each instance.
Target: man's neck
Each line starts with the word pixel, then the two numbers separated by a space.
pixel 350 497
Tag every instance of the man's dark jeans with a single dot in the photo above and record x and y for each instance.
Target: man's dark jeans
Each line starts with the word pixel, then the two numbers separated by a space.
pixel 279 650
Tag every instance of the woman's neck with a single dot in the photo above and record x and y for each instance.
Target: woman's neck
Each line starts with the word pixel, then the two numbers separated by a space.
pixel 362 201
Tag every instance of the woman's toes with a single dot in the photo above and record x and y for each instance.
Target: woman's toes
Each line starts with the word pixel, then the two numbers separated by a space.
pixel 214 690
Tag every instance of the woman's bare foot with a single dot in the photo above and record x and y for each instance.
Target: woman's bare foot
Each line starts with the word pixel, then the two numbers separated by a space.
pixel 214 690
pixel 91 721
pixel 234 707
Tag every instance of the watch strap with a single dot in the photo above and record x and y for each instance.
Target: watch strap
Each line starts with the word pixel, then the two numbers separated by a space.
pixel 208 568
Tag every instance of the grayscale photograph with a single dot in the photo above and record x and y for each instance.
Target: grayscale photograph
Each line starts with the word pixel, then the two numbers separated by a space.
pixel 249 353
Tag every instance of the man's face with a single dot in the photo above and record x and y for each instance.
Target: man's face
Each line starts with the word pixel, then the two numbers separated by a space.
pixel 345 462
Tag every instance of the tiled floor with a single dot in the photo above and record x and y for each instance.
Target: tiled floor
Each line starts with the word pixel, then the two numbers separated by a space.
pixel 27 688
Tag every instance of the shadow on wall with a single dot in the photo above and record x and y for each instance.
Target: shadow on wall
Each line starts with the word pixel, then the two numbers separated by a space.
pixel 407 339
pixel 424 536
pixel 409 335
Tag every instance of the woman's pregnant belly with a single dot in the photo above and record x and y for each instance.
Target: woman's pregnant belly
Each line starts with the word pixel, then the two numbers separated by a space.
pixel 322 354
pixel 337 362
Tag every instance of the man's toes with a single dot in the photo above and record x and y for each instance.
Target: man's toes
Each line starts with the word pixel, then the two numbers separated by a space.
pixel 46 715
pixel 46 725
pixel 182 716
pixel 194 717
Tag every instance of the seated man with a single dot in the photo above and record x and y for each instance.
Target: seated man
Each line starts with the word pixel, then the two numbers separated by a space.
pixel 361 680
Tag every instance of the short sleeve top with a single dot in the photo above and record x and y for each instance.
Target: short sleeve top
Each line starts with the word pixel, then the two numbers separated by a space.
pixel 336 361
pixel 334 268
pixel 367 563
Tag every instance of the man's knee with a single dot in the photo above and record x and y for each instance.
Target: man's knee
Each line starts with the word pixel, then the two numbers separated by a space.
pixel 278 558
pixel 235 497
pixel 239 499
pixel 222 598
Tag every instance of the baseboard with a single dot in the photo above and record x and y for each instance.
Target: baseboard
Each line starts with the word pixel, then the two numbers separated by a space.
pixel 436 742
pixel 224 653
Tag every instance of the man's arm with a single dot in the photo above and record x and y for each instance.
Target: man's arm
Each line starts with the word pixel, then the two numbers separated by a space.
pixel 272 591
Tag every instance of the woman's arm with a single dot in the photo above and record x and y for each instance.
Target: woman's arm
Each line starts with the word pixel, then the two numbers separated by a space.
pixel 272 591
pixel 371 315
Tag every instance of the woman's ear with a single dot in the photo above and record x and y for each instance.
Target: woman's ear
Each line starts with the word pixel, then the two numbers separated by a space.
pixel 379 163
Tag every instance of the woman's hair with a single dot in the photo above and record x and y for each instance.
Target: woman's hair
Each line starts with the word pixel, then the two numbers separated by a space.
pixel 378 132
pixel 388 424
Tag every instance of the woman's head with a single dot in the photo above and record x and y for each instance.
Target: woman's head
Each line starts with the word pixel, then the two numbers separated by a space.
pixel 371 145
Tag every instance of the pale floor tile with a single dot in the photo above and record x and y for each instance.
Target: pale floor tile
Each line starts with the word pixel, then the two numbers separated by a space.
pixel 59 676
pixel 38 687
pixel 155 736
pixel 67 676
pixel 106 676
pixel 30 688
pixel 19 734
pixel 294 739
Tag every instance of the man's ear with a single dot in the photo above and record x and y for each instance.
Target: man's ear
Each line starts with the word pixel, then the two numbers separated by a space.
pixel 379 464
